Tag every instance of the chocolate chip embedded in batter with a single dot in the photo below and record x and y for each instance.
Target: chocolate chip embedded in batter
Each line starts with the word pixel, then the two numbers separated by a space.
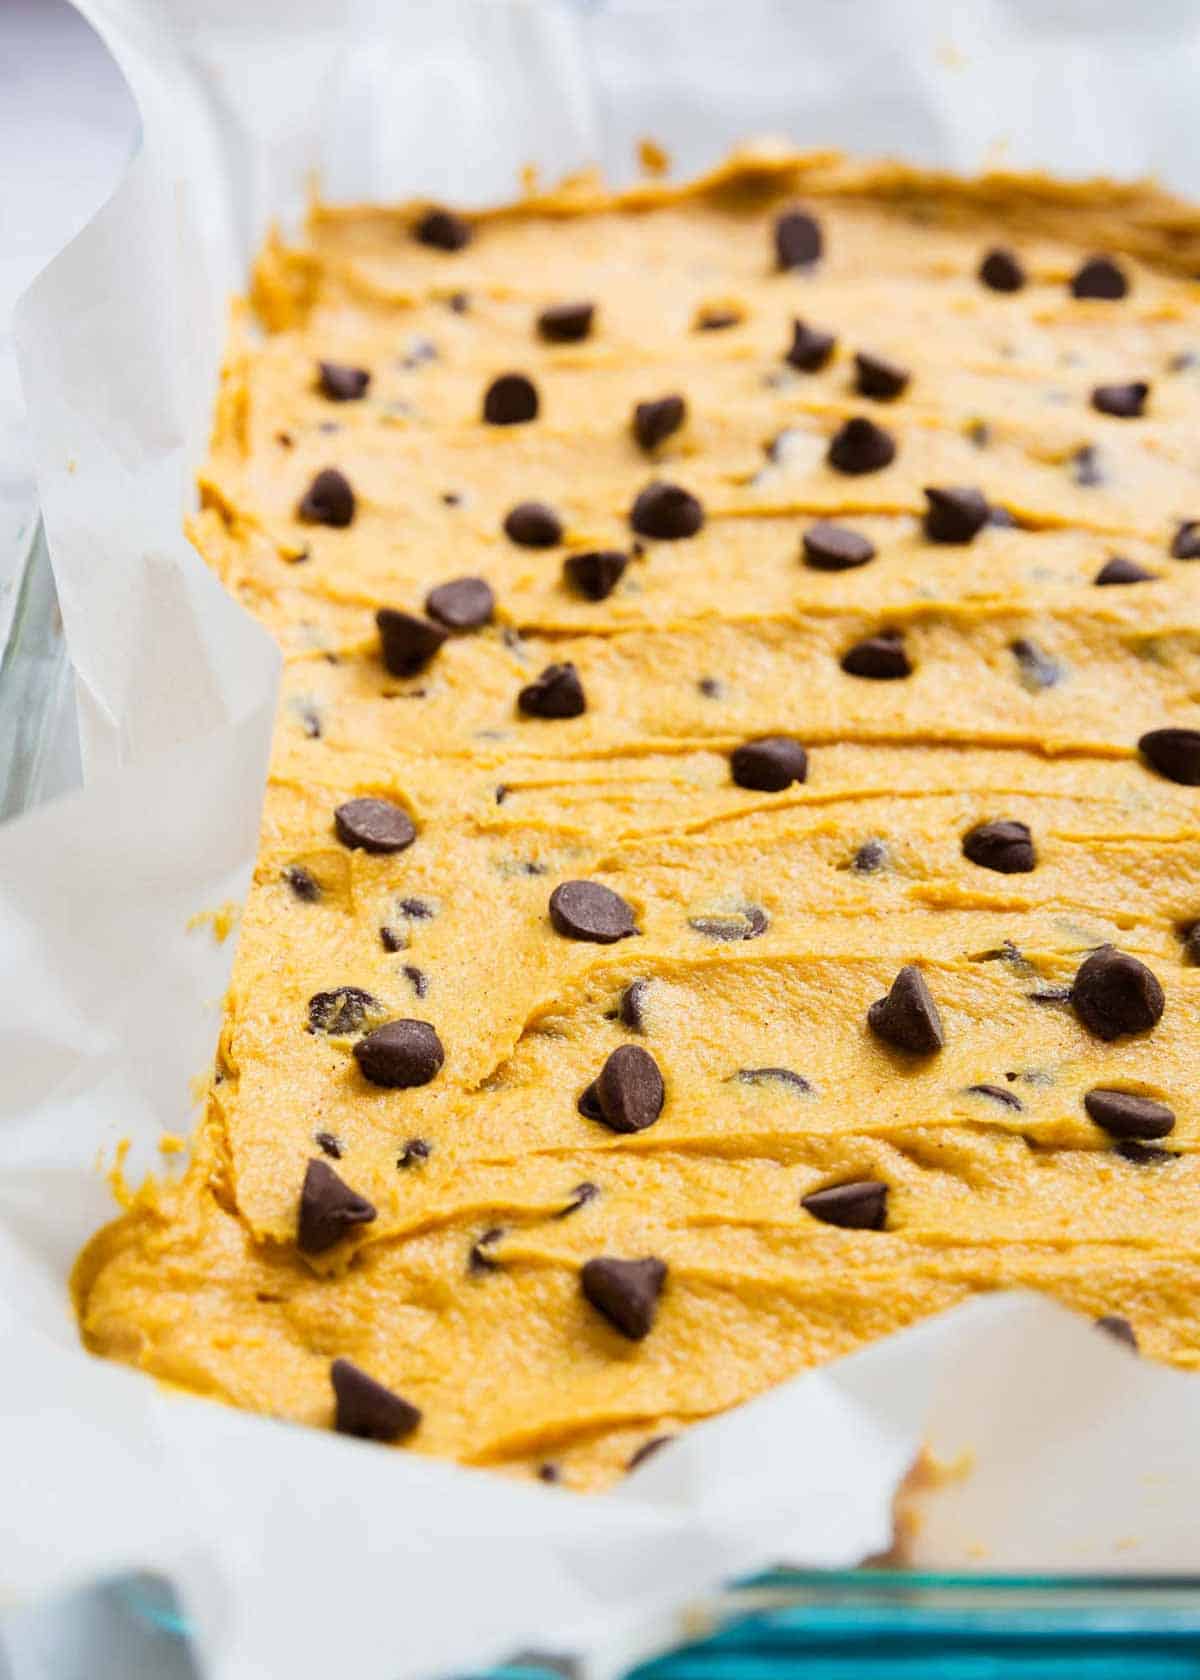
pixel 368 1410
pixel 769 764
pixel 1050 994
pixel 1174 753
pixel 1038 669
pixel 711 687
pixel 442 229
pixel 1087 469
pixel 417 979
pixel 342 384
pixel 861 1206
pixel 810 348
pixel 328 1144
pixel 415 1151
pixel 1004 845
pixel 655 421
pixel 750 922
pixel 835 548
pixel 328 1208
pixel 1185 545
pixel 860 446
pixel 647 1450
pixel 772 1076
pixel 1123 402
pixel 533 525
pixel 303 883
pixel 406 642
pixel 557 693
pixel 479 1260
pixel 566 323
pixel 1001 270
pixel 879 378
pixel 1123 1115
pixel 798 241
pixel 870 857
pixel 589 910
pixel 1191 943
pixel 997 1094
pixel 625 1292
pixel 549 1473
pixel 400 1054
pixel 882 658
pixel 580 1197
pixel 329 500
pixel 908 1017
pixel 1121 570
pixel 1114 993
pixel 1144 1154
pixel 666 511
pixel 510 400
pixel 628 1093
pixel 717 320
pixel 1099 277
pixel 595 574
pixel 374 825
pixel 631 1011
pixel 341 1011
pixel 1119 1329
pixel 956 513
pixel 464 603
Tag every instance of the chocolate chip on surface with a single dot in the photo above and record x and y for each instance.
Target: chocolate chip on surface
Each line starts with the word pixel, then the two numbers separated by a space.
pixel 591 911
pixel 1004 845
pixel 628 1093
pixel 870 857
pixel 955 514
pixel 1037 668
pixel 415 1151
pixel 769 764
pixel 407 643
pixel 877 377
pixel 1087 467
pixel 400 1054
pixel 1001 270
pixel 749 922
pixel 329 500
pixel 998 1094
pixel 1119 1329
pixel 810 348
pixel 647 1450
pixel 655 421
pixel 581 1195
pixel 631 1011
pixel 1185 545
pixel 1121 570
pixel 908 1017
pixel 1114 993
pixel 798 240
pixel 328 1208
pixel 595 574
pixel 860 1206
pixel 556 693
pixel 1174 753
pixel 666 511
pixel 374 825
pixel 341 1011
pixel 342 384
pixel 328 1144
pixel 303 883
pixel 835 548
pixel 1144 1154
pixel 510 400
pixel 566 323
pixel 1099 277
pixel 860 446
pixel 549 1473
pixel 625 1292
pixel 882 658
pixel 417 979
pixel 366 1409
pixel 717 320
pixel 1123 402
pixel 1124 1115
pixel 480 1259
pixel 464 603
pixel 442 229
pixel 533 525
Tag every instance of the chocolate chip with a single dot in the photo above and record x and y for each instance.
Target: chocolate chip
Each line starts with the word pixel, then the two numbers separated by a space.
pixel 556 693
pixel 1174 753
pixel 882 658
pixel 956 513
pixel 417 979
pixel 769 764
pixel 810 348
pixel 341 1011
pixel 711 688
pixel 1001 270
pixel 442 229
pixel 374 825
pixel 998 1094
pixel 464 603
pixel 310 722
pixel 980 434
pixel 1114 993
pixel 406 642
pixel 1121 570
pixel 479 1260
pixel 1185 545
pixel 588 910
pixel 646 1450
pixel 400 1054
pixel 328 1145
pixel 716 320
pixel 566 323
pixel 329 500
pixel 1086 468
pixel 626 1292
pixel 860 1206
pixel 328 1208
pixel 654 421
pixel 580 1197
pixel 798 239
pixel 1004 845
pixel 459 302
pixel 870 857
pixel 366 1408
pixel 908 1017
pixel 595 574
pixel 510 400
pixel 1099 277
pixel 1119 1329
pixel 836 548
pixel 1123 1115
pixel 627 1094
pixel 772 1076
pixel 342 384
pixel 303 883
pixel 860 446
pixel 1144 1154
pixel 1191 943
pixel 750 922
pixel 878 378
pixel 414 1152
pixel 631 1011
pixel 533 525
pixel 666 511
pixel 417 909
pixel 1050 994
pixel 393 939
pixel 548 1473
pixel 1037 668
pixel 1124 402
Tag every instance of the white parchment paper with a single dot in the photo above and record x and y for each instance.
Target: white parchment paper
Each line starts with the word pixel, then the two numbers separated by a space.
pixel 305 1554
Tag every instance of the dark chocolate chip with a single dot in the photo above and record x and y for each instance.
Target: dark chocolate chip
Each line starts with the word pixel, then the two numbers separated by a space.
pixel 533 525
pixel 406 642
pixel 631 1011
pixel 1191 943
pixel 1144 1154
pixel 1038 669
pixel 1114 993
pixel 580 1197
pixel 329 500
pixel 417 979
pixel 626 1292
pixel 980 434
pixel 510 400
pixel 882 658
pixel 1099 277
pixel 464 603
pixel 861 1206
pixel 772 1076
pixel 566 323
pixel 1087 469
pixel 1174 753
pixel 548 1473
pixel 870 857
pixel 1004 845
pixel 311 723
pixel 810 348
pixel 876 377
pixel 366 1408
pixel 479 1260
pixel 343 384
pixel 750 922
pixel 303 883
pixel 798 241
pixel 400 1054
pixel 595 574
pixel 588 910
pixel 393 939
pixel 716 320
pixel 860 446
pixel 908 1017
pixel 328 1144
pixel 341 1011
pixel 656 420
pixel 711 688
pixel 1119 1329
pixel 647 1450
pixel 374 825
pixel 1185 545
pixel 1123 402
pixel 414 1152
pixel 442 229
pixel 836 548
pixel 666 511
pixel 417 909
pixel 956 513
pixel 1001 270
pixel 1050 994
pixel 769 764
pixel 998 1094
pixel 459 302
pixel 328 1208
pixel 1123 1115
pixel 556 693
pixel 1121 570
pixel 628 1093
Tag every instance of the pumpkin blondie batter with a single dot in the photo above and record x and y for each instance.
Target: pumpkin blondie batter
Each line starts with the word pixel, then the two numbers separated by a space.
pixel 731 851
